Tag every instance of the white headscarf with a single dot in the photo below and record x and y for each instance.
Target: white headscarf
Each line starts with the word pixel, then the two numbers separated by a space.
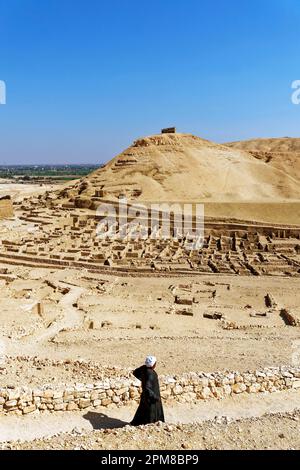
pixel 150 361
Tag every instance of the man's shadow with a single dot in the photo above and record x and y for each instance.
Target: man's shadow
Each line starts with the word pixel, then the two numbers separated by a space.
pixel 102 421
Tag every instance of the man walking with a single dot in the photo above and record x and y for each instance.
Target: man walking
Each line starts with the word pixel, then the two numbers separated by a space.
pixel 150 409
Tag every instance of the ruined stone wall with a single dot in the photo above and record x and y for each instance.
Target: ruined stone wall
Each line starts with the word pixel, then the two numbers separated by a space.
pixel 120 391
pixel 6 207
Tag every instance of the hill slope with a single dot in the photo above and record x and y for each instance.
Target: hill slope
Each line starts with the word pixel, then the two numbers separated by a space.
pixel 282 154
pixel 182 167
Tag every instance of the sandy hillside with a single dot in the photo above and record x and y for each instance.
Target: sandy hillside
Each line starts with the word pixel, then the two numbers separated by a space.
pixel 282 154
pixel 182 167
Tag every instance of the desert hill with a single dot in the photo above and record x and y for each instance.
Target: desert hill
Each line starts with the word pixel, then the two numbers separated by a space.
pixel 281 153
pixel 182 167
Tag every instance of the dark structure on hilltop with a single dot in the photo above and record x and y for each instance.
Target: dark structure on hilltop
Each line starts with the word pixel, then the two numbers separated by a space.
pixel 169 130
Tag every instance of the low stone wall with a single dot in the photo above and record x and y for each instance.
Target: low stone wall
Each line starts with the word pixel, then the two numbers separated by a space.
pixel 117 392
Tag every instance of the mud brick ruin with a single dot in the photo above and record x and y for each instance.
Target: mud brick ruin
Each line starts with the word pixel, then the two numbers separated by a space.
pixel 6 207
pixel 69 237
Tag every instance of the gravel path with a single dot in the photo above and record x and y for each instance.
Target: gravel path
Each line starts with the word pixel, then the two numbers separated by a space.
pixel 44 425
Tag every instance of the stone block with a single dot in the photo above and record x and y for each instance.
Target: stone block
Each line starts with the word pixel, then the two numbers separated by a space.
pixel 59 407
pixel 11 404
pixel 121 391
pixel 205 393
pixel 239 388
pixel 13 394
pixel 106 402
pixel 42 406
pixel 72 406
pixel 94 395
pixel 227 389
pixel 177 390
pixel 254 388
pixel 84 403
pixel 29 409
pixel 97 403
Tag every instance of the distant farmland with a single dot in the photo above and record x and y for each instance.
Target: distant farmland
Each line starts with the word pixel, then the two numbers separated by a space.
pixel 34 173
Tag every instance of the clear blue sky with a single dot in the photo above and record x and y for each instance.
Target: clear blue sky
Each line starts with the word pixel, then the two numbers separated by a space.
pixel 85 78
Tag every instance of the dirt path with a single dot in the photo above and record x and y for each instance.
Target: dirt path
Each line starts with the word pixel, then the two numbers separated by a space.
pixel 31 427
pixel 70 317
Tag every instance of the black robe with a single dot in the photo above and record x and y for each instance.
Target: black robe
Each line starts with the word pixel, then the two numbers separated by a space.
pixel 150 409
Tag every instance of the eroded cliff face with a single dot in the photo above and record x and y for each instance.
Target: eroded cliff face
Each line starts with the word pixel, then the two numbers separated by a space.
pixel 6 207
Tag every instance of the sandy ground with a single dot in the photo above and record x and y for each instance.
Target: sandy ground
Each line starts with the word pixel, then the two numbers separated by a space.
pixel 268 432
pixel 18 191
pixel 84 322
pixel 124 328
